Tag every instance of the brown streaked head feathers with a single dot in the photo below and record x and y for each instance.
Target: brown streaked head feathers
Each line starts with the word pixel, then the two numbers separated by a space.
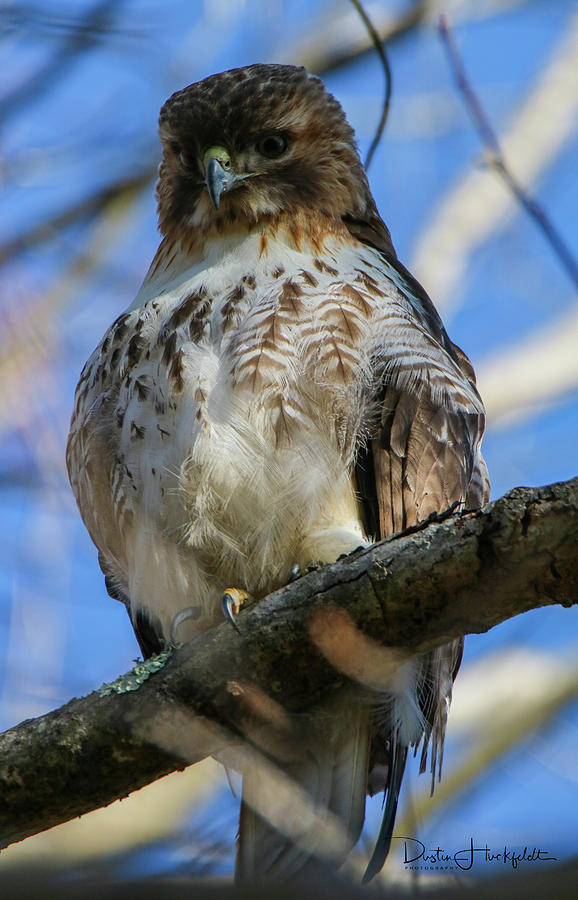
pixel 320 170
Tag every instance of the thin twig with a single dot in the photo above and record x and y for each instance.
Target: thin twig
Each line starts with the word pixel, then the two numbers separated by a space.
pixel 321 58
pixel 495 158
pixel 380 47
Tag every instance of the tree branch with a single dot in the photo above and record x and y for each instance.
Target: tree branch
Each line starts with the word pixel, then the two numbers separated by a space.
pixel 453 576
pixel 123 190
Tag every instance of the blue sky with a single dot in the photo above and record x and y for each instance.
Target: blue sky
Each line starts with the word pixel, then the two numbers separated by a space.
pixel 60 633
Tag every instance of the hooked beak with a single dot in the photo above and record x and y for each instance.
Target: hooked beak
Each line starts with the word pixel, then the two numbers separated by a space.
pixel 218 180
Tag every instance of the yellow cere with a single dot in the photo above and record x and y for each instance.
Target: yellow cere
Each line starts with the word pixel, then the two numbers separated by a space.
pixel 220 154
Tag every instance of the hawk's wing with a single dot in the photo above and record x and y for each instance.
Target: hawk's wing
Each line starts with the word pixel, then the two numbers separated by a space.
pixel 423 456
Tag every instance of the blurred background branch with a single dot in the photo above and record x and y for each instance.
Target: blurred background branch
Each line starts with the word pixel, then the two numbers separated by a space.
pixel 123 191
pixel 478 204
pixel 40 883
pixel 79 37
pixel 495 159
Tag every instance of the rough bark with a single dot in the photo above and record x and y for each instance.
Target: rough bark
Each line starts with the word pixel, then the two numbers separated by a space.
pixel 453 576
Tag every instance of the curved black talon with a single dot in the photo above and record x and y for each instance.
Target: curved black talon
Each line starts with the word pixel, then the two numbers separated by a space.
pixel 230 606
pixel 188 612
pixel 295 573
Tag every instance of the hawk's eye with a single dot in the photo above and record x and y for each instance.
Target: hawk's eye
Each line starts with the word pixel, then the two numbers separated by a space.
pixel 272 145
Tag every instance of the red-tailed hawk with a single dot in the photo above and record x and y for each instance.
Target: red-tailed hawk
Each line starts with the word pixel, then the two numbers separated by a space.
pixel 280 391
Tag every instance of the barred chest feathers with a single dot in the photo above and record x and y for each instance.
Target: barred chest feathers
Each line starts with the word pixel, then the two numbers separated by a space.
pixel 248 386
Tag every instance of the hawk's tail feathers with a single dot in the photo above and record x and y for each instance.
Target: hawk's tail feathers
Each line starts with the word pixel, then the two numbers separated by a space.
pixel 296 816
pixel 392 789
pixel 419 713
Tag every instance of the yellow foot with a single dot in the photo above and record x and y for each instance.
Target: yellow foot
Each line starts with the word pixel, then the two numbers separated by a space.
pixel 233 601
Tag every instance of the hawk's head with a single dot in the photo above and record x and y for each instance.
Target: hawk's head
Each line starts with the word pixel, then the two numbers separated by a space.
pixel 255 142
